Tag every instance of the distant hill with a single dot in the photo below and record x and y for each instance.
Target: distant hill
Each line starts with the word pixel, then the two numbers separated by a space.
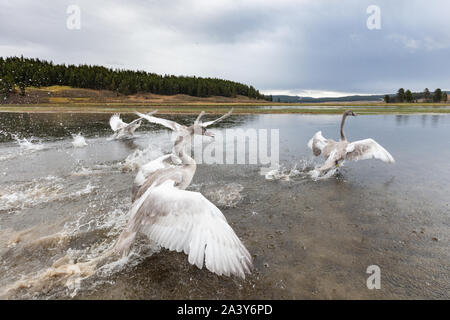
pixel 354 98
pixel 298 99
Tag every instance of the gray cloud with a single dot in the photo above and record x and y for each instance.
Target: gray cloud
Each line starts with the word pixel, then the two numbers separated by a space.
pixel 274 45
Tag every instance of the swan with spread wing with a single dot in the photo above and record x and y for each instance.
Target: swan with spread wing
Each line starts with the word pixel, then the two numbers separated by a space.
pixel 122 129
pixel 181 220
pixel 172 159
pixel 336 152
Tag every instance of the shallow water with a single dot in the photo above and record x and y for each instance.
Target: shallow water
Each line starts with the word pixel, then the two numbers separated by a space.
pixel 61 207
pixel 385 107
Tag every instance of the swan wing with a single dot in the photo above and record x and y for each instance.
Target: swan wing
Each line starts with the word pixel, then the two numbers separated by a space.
pixel 181 220
pixel 210 123
pixel 197 121
pixel 172 125
pixel 147 169
pixel 134 121
pixel 116 123
pixel 140 118
pixel 330 163
pixel 317 143
pixel 367 149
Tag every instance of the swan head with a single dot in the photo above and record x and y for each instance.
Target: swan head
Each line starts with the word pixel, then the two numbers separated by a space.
pixel 200 130
pixel 350 113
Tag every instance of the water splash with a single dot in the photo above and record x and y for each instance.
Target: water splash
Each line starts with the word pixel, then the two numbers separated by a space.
pixel 140 157
pixel 20 195
pixel 82 171
pixel 28 194
pixel 98 169
pixel 26 146
pixel 302 169
pixel 78 141
pixel 31 144
pixel 316 174
pixel 81 250
pixel 281 172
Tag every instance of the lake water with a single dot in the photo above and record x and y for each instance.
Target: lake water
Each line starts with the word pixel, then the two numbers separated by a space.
pixel 61 205
pixel 328 107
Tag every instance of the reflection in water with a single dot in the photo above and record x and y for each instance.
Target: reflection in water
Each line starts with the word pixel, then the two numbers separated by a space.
pixel 435 120
pixel 63 207
pixel 402 119
pixel 424 120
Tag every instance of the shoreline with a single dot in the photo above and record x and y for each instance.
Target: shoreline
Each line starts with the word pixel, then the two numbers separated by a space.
pixel 218 108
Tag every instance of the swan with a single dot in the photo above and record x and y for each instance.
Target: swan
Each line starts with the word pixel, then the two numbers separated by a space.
pixel 182 220
pixel 122 129
pixel 171 159
pixel 179 128
pixel 335 153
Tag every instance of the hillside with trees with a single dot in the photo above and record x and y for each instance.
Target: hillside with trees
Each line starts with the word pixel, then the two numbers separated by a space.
pixel 23 72
pixel 423 97
pixel 401 96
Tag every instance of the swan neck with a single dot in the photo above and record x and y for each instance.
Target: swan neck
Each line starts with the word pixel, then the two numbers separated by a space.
pixel 343 138
pixel 179 150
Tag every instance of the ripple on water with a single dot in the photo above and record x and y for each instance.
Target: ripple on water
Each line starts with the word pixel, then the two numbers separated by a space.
pixel 225 196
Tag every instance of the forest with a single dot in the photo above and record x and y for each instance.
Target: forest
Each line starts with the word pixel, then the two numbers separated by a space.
pixel 20 72
pixel 426 96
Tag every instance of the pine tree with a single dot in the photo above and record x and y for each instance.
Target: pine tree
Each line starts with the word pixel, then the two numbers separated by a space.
pixel 408 96
pixel 124 87
pixel 427 95
pixel 6 86
pixel 437 95
pixel 401 95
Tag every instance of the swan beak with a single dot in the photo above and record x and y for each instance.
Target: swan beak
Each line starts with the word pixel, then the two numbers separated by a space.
pixel 209 134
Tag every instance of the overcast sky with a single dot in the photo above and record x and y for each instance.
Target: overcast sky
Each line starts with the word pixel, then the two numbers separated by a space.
pixel 306 47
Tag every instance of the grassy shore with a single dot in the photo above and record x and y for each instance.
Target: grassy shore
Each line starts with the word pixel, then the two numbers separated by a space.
pixel 67 99
pixel 239 108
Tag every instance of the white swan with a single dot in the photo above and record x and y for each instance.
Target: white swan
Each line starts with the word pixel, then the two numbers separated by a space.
pixel 171 159
pixel 182 220
pixel 179 128
pixel 122 129
pixel 335 153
